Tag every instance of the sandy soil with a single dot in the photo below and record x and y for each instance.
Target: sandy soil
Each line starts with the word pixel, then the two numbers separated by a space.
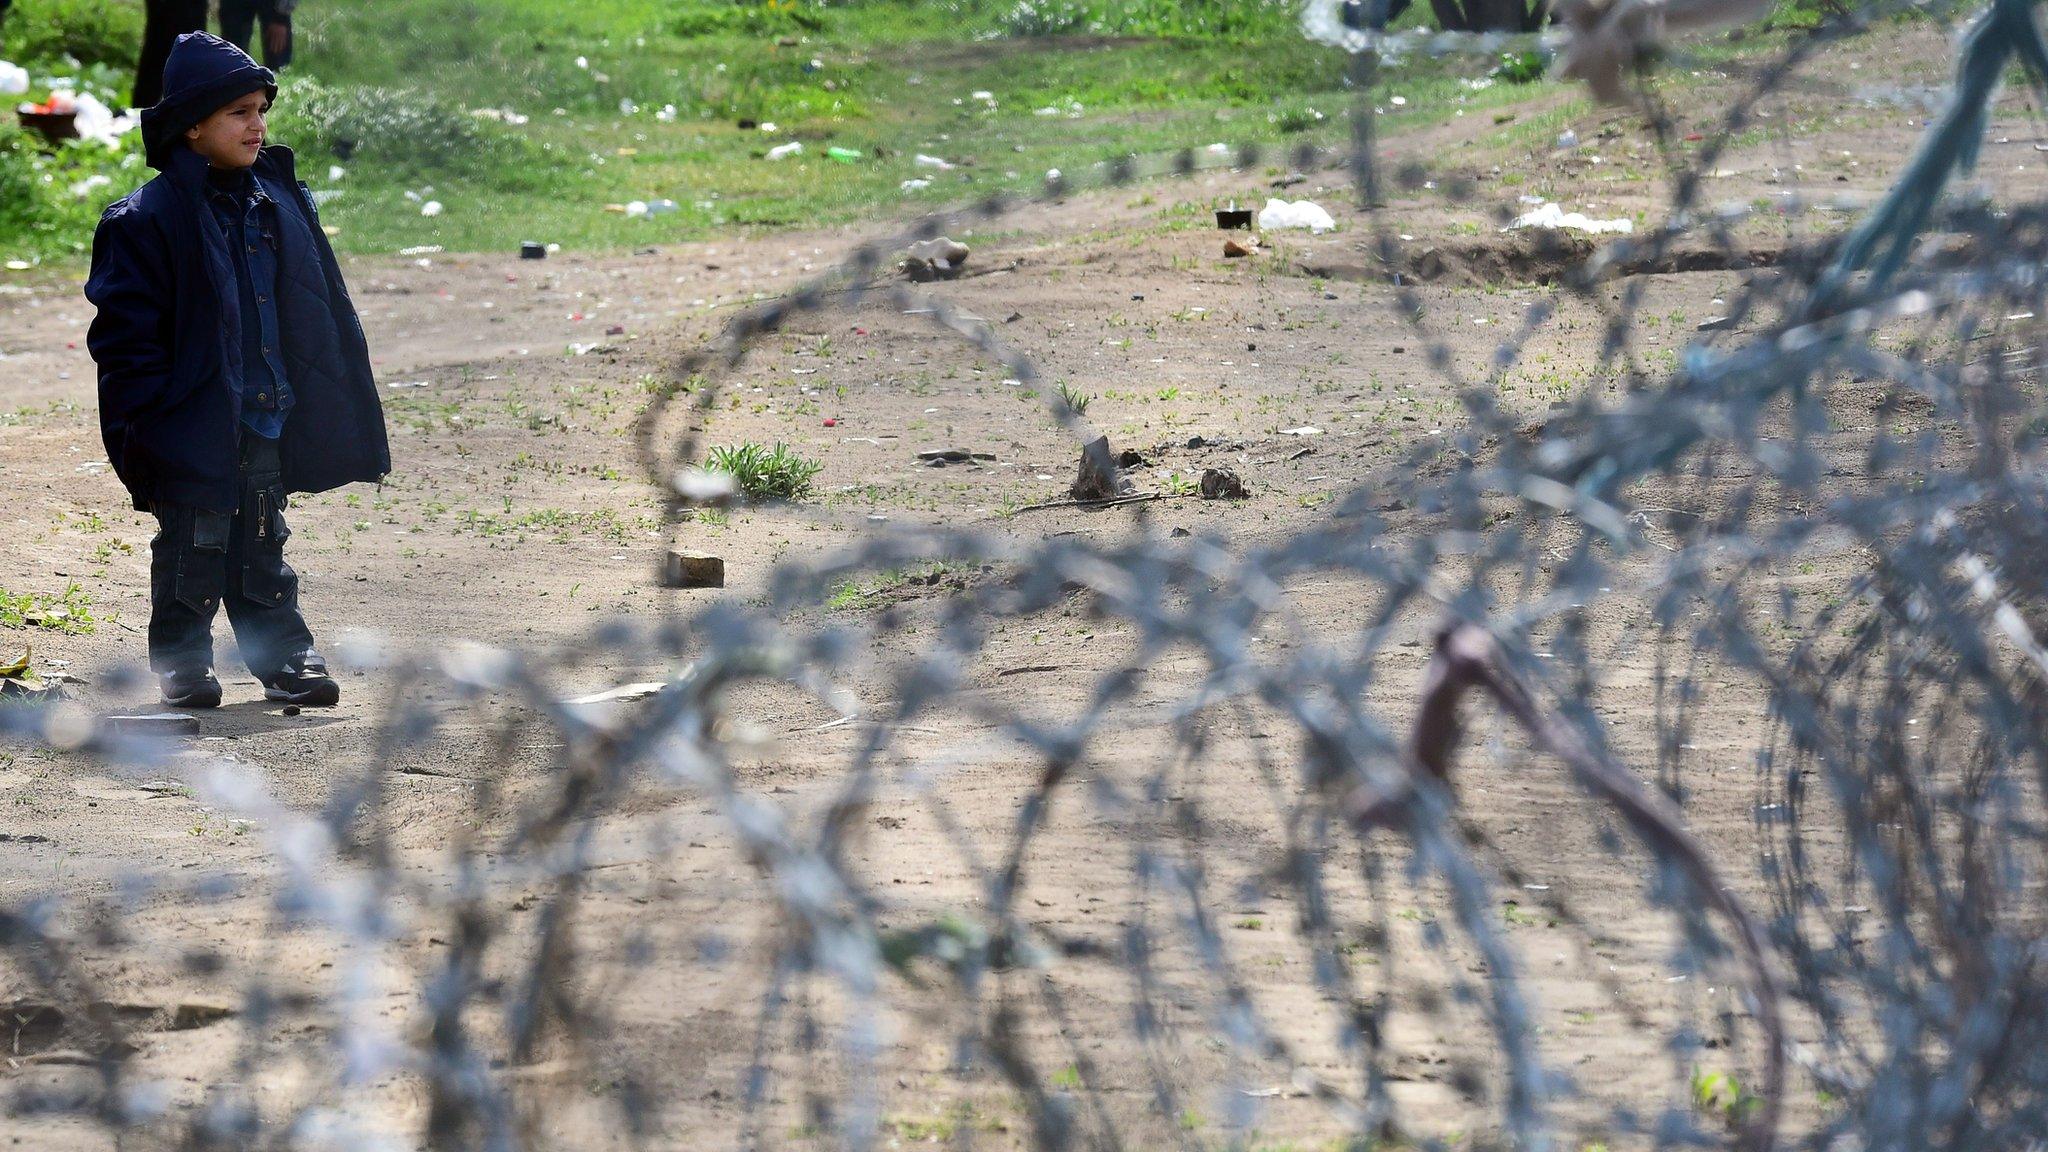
pixel 515 515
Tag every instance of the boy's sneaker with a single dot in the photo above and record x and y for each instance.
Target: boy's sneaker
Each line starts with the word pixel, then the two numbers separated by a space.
pixel 190 688
pixel 303 683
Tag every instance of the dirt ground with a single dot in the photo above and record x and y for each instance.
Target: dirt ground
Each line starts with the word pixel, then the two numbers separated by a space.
pixel 516 515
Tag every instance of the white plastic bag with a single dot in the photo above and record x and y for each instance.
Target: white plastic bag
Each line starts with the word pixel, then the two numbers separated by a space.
pixel 1551 216
pixel 13 79
pixel 1279 214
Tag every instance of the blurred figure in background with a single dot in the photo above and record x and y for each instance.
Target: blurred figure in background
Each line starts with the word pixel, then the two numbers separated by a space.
pixel 164 22
pixel 238 18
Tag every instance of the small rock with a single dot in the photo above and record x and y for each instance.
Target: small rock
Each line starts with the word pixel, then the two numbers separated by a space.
pixel 940 457
pixel 1098 478
pixel 616 330
pixel 1197 442
pixel 1237 250
pixel 688 569
pixel 940 259
pixel 154 724
pixel 1180 532
pixel 1222 484
pixel 1131 458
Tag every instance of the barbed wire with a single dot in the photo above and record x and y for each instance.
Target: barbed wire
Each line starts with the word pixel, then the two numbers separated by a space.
pixel 1882 959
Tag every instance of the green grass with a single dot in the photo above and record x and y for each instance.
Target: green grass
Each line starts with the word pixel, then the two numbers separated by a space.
pixel 69 611
pixel 777 473
pixel 395 87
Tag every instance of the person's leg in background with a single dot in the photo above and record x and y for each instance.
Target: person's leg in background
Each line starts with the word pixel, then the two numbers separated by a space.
pixel 164 22
pixel 277 34
pixel 237 20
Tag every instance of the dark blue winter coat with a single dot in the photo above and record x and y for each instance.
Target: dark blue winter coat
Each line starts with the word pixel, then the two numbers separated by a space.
pixel 168 337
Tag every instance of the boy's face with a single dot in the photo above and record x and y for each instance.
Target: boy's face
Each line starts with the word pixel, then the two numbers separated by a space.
pixel 231 137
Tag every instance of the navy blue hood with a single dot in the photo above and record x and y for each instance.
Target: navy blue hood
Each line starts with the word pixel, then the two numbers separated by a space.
pixel 203 73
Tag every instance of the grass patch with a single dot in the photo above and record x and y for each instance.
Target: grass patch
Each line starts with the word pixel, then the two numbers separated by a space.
pixel 854 595
pixel 69 611
pixel 777 473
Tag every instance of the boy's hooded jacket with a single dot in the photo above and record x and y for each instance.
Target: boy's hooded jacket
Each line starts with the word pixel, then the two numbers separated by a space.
pixel 168 336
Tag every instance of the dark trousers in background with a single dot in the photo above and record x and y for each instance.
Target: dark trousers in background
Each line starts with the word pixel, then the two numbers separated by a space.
pixel 201 558
pixel 163 22
pixel 238 18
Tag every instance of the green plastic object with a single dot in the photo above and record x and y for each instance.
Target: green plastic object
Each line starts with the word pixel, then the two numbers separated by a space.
pixel 843 155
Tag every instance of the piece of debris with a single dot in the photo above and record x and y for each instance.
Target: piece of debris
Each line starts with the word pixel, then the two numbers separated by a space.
pixel 616 330
pixel 1199 442
pixel 940 457
pixel 1279 214
pixel 1715 324
pixel 784 151
pixel 532 250
pixel 1222 484
pixel 1290 180
pixel 1131 458
pixel 939 259
pixel 624 692
pixel 1234 219
pixel 1179 533
pixel 1098 478
pixel 156 724
pixel 687 569
pixel 1238 249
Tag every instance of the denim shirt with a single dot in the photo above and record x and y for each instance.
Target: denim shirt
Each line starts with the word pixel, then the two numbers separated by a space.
pixel 249 220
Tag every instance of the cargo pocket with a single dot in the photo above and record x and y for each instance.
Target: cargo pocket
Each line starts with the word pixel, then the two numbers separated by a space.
pixel 266 578
pixel 203 561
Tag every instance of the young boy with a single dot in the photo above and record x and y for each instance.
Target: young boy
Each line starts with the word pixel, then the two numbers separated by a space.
pixel 232 370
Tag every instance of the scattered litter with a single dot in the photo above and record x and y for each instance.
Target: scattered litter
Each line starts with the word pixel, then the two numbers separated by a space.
pixel 1568 139
pixel 1237 249
pixel 532 250
pixel 1304 430
pixel 924 161
pixel 939 259
pixel 1280 214
pixel 408 384
pixel 420 250
pixel 1222 484
pixel 85 187
pixel 636 208
pixel 1234 218
pixel 843 155
pixel 1551 216
pixel 784 151
pixel 431 208
pixel 13 79
pixel 915 185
